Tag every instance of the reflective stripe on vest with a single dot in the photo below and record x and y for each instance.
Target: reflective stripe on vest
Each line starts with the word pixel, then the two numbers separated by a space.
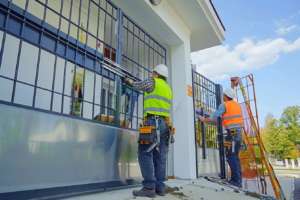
pixel 233 115
pixel 157 110
pixel 158 102
pixel 157 97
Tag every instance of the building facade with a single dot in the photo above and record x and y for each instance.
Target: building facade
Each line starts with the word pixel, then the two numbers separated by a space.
pixel 66 118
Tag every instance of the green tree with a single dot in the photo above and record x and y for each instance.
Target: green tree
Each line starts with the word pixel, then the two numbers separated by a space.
pixel 280 136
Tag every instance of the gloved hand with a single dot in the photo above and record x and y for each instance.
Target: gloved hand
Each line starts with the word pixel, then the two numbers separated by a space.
pixel 129 80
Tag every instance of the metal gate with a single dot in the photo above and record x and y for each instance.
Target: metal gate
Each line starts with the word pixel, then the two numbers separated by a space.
pixel 208 136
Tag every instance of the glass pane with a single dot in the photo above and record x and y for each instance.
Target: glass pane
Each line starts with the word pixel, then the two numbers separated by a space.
pixel 108 30
pixel 100 46
pixel 23 94
pixel 67 105
pixel 66 9
pixel 55 5
pixel 109 8
pixel 151 60
pixel 125 22
pixel 75 11
pixel 10 55
pixel 130 45
pixel 73 31
pixel 115 13
pixel 82 37
pixel 146 56
pixel 77 107
pixel 141 73
pixel 112 101
pixel 114 35
pixel 98 89
pixel 52 19
pixel 36 9
pixel 124 61
pixel 155 59
pixel 104 99
pixel 87 110
pixel 140 105
pixel 142 53
pixel 93 21
pixel 136 31
pixel 78 92
pixel 142 35
pixel 97 113
pixel 130 26
pixel 135 70
pixel 103 4
pixel 56 104
pixel 20 3
pixel 124 41
pixel 42 99
pixel 46 69
pixel 129 65
pixel 92 42
pixel 59 75
pixel 64 27
pixel 136 49
pixel 69 76
pixel 101 25
pixel 6 92
pixel 28 63
pixel 84 14
pixel 89 86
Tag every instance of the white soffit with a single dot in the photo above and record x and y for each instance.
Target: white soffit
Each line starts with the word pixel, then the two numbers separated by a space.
pixel 202 21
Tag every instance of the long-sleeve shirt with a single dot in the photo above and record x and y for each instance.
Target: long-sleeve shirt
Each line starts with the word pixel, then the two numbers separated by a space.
pixel 221 111
pixel 147 85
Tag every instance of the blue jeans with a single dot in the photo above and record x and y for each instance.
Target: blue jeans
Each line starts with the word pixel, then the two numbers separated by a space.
pixel 153 164
pixel 233 158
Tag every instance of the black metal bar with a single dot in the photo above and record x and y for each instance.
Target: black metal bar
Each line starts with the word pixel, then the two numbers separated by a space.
pixel 195 127
pixel 220 134
pixel 55 62
pixel 203 136
pixel 18 59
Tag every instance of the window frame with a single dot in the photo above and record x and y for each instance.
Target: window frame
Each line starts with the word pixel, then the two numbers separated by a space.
pixel 63 47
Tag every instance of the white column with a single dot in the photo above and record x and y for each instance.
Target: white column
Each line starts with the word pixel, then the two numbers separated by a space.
pixel 184 147
pixel 286 163
pixel 299 163
pixel 293 163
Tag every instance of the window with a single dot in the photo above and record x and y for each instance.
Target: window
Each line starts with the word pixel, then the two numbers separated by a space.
pixel 51 60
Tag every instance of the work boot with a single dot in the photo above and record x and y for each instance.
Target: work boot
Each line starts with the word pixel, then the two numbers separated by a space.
pixel 231 182
pixel 144 192
pixel 160 192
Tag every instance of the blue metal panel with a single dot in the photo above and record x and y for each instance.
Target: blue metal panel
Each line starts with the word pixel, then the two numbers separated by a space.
pixel 39 150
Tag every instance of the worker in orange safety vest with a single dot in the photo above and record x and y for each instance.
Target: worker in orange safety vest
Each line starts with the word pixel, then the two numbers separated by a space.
pixel 232 121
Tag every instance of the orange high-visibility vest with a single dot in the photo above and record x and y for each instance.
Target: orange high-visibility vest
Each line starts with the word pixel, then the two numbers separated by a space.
pixel 233 115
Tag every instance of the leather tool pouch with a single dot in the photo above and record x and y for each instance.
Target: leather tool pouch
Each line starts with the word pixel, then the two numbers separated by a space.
pixel 147 135
pixel 232 133
pixel 228 147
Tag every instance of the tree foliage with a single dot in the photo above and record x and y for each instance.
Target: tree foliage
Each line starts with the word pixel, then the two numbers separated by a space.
pixel 282 137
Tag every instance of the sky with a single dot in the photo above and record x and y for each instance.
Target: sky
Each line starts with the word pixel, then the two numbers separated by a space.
pixel 263 39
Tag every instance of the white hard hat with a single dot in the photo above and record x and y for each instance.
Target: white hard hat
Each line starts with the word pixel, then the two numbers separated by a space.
pixel 162 70
pixel 230 93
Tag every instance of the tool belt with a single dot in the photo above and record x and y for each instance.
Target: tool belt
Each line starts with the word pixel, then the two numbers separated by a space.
pixel 230 145
pixel 147 133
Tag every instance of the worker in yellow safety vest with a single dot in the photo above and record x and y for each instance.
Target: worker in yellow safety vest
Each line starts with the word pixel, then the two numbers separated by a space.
pixel 232 121
pixel 157 101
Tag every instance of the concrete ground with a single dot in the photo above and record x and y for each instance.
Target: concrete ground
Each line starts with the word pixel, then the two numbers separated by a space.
pixel 198 189
pixel 201 189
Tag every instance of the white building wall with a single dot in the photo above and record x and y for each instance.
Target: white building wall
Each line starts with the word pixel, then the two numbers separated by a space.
pixel 183 158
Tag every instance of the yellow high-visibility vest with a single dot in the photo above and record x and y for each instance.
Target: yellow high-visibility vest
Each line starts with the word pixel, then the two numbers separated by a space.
pixel 158 102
